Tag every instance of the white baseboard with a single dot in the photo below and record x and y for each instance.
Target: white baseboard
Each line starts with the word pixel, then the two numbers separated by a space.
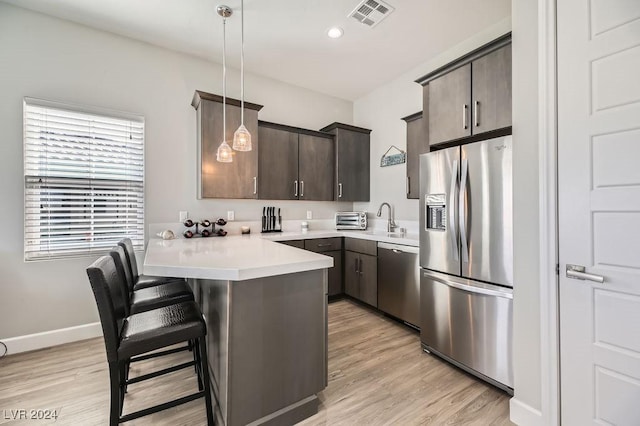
pixel 523 414
pixel 31 342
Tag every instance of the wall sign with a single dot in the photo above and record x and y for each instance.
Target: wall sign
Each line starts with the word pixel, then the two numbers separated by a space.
pixel 393 159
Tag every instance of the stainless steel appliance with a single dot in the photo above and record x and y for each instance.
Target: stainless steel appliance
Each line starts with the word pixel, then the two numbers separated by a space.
pixel 351 220
pixel 399 282
pixel 466 258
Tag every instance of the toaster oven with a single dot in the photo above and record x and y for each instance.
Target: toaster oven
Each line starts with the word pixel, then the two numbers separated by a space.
pixel 351 220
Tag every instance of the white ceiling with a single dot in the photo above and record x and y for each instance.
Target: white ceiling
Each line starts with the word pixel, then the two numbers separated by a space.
pixel 286 39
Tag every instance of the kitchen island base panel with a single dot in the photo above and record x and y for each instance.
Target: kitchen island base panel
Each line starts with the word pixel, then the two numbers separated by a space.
pixel 267 346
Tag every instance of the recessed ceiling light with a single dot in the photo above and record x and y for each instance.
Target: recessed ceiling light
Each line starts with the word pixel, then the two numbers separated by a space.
pixel 335 32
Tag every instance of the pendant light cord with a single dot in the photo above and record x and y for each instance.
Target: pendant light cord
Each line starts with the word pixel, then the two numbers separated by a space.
pixel 242 62
pixel 224 80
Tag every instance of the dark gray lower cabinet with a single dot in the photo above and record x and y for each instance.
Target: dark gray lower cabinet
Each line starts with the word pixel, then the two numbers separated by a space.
pixel 294 243
pixel 330 247
pixel 361 277
pixel 335 273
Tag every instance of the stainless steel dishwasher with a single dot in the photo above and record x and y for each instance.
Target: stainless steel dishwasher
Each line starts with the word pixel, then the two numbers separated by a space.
pixel 399 282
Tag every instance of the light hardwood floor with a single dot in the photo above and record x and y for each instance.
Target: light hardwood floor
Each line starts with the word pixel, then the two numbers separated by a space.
pixel 377 376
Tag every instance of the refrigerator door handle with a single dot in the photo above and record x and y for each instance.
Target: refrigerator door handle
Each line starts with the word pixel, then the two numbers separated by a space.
pixel 486 290
pixel 462 206
pixel 453 211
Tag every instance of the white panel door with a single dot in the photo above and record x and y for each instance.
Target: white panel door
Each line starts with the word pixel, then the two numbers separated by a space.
pixel 599 210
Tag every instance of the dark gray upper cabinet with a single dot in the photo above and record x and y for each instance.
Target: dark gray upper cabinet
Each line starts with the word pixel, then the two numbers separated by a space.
pixel 278 164
pixel 417 143
pixel 449 100
pixel 295 164
pixel 316 167
pixel 491 90
pixel 352 161
pixel 225 180
pixel 471 95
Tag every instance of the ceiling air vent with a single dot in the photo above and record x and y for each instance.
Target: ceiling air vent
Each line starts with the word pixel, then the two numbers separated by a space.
pixel 371 12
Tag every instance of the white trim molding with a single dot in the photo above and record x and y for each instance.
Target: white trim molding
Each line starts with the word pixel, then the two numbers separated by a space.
pixel 31 342
pixel 548 209
pixel 523 414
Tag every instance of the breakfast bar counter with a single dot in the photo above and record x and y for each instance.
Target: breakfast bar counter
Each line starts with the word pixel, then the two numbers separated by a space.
pixel 265 305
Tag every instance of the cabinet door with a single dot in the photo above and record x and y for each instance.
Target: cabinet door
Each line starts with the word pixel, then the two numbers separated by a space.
pixel 369 279
pixel 417 143
pixel 226 180
pixel 449 102
pixel 492 91
pixel 353 166
pixel 335 273
pixel 351 274
pixel 278 164
pixel 316 167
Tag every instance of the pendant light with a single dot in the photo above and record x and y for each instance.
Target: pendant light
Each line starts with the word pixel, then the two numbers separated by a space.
pixel 242 137
pixel 224 153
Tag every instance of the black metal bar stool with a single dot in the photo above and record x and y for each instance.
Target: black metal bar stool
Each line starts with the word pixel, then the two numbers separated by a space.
pixel 127 337
pixel 148 298
pixel 141 281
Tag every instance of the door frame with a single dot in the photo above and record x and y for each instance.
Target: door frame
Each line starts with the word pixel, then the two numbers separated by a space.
pixel 548 315
pixel 548 212
pixel 548 205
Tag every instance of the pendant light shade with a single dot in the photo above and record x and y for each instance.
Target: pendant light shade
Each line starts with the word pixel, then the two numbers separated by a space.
pixel 242 137
pixel 224 153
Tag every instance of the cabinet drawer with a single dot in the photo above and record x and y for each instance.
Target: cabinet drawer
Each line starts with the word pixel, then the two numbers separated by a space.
pixel 323 244
pixel 361 246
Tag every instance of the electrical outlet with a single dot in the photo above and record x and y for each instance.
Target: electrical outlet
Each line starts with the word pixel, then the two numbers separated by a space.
pixel 231 215
pixel 309 214
pixel 184 216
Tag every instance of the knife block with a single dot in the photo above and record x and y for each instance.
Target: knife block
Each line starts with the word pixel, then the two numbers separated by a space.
pixel 271 222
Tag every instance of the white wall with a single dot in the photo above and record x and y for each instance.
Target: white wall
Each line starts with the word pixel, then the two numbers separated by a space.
pixel 382 110
pixel 48 58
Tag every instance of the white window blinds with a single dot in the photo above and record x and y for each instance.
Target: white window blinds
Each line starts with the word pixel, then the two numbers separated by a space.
pixel 84 179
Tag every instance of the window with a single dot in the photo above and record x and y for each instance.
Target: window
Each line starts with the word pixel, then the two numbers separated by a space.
pixel 84 179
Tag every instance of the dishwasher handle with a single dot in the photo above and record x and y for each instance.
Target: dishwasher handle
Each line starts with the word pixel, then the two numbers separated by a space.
pixel 399 248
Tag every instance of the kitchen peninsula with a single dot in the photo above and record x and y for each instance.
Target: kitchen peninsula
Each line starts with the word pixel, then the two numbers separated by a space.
pixel 265 305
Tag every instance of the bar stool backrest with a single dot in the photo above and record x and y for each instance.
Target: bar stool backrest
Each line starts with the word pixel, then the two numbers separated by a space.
pixel 122 265
pixel 107 290
pixel 127 245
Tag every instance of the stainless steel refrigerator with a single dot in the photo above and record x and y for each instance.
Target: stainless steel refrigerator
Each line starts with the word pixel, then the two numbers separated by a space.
pixel 466 257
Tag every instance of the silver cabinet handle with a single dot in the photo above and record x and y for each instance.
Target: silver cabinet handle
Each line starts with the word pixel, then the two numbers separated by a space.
pixel 324 245
pixel 464 116
pixel 339 190
pixel 360 268
pixel 397 251
pixel 255 185
pixel 476 107
pixel 462 206
pixel 295 188
pixel 356 263
pixel 302 188
pixel 408 185
pixel 453 211
pixel 577 272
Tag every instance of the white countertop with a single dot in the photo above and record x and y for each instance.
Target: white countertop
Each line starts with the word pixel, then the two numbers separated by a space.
pixel 244 257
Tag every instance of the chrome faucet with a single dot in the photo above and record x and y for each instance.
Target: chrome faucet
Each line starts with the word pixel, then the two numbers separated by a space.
pixel 391 224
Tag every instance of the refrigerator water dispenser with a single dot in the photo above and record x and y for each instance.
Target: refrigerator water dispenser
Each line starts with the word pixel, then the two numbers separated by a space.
pixel 436 211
